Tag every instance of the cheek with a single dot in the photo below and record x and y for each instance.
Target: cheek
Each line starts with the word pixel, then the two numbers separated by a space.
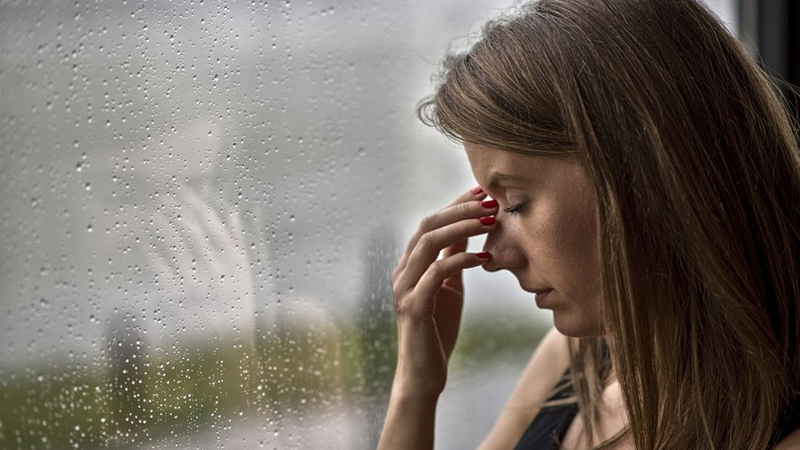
pixel 580 248
pixel 578 236
pixel 553 232
pixel 568 238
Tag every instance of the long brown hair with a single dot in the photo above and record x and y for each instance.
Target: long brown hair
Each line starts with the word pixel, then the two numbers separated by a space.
pixel 696 172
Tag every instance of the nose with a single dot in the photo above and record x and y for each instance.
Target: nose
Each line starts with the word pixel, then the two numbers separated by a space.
pixel 506 253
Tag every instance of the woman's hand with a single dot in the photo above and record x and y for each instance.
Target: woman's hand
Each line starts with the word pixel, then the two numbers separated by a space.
pixel 428 296
pixel 428 293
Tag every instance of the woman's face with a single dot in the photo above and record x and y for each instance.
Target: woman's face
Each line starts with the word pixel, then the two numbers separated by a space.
pixel 546 233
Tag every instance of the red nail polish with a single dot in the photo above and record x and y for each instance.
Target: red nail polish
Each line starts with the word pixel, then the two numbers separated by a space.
pixel 489 204
pixel 482 255
pixel 476 190
pixel 488 220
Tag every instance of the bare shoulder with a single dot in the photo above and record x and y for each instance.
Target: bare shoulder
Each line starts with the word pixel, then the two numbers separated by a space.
pixel 790 442
pixel 545 367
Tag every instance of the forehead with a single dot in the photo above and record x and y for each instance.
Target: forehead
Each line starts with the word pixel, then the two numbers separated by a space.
pixel 492 166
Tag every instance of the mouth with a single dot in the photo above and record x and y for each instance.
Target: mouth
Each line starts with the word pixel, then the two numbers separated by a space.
pixel 537 291
pixel 541 297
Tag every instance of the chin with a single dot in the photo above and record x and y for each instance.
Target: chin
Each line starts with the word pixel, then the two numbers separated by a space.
pixel 576 328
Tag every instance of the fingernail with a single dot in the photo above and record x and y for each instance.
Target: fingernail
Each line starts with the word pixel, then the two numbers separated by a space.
pixel 476 190
pixel 482 255
pixel 488 220
pixel 489 204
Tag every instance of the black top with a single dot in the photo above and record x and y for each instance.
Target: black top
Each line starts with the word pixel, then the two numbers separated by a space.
pixel 548 427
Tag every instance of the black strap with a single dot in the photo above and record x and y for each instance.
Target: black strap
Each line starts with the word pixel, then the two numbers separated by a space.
pixel 548 427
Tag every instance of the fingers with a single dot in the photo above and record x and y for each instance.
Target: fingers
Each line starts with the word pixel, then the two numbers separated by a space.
pixel 467 205
pixel 443 269
pixel 475 193
pixel 433 278
pixel 448 230
pixel 433 242
pixel 458 247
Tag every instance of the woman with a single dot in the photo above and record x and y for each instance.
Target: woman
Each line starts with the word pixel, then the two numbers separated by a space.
pixel 645 185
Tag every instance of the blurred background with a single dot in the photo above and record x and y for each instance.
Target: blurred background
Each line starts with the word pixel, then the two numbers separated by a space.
pixel 202 202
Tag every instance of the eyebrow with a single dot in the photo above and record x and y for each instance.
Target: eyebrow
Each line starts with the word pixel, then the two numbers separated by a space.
pixel 497 178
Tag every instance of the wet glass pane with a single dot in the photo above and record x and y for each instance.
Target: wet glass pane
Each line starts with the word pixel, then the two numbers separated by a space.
pixel 202 204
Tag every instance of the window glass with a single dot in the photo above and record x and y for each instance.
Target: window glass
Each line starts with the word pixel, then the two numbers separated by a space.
pixel 728 13
pixel 202 204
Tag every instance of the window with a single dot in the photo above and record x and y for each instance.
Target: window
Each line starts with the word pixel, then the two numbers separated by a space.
pixel 202 203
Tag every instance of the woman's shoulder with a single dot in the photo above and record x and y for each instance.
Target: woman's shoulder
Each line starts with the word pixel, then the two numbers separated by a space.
pixel 545 368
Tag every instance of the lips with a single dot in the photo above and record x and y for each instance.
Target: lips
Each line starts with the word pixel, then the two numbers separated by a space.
pixel 542 297
pixel 537 291
pixel 541 294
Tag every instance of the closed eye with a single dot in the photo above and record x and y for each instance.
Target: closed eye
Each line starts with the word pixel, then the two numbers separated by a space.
pixel 516 208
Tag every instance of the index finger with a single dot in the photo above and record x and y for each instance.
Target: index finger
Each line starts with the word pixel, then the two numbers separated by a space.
pixel 473 194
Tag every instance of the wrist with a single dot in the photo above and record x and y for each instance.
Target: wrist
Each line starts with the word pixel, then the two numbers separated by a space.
pixel 408 391
pixel 416 385
pixel 410 418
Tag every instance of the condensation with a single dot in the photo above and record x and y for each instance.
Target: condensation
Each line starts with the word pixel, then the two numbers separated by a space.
pixel 202 202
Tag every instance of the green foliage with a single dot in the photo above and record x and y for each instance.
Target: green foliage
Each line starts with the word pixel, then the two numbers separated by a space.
pixel 55 409
pixel 484 339
pixel 297 368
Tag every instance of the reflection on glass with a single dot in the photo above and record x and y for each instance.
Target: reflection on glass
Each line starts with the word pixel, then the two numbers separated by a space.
pixel 202 204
